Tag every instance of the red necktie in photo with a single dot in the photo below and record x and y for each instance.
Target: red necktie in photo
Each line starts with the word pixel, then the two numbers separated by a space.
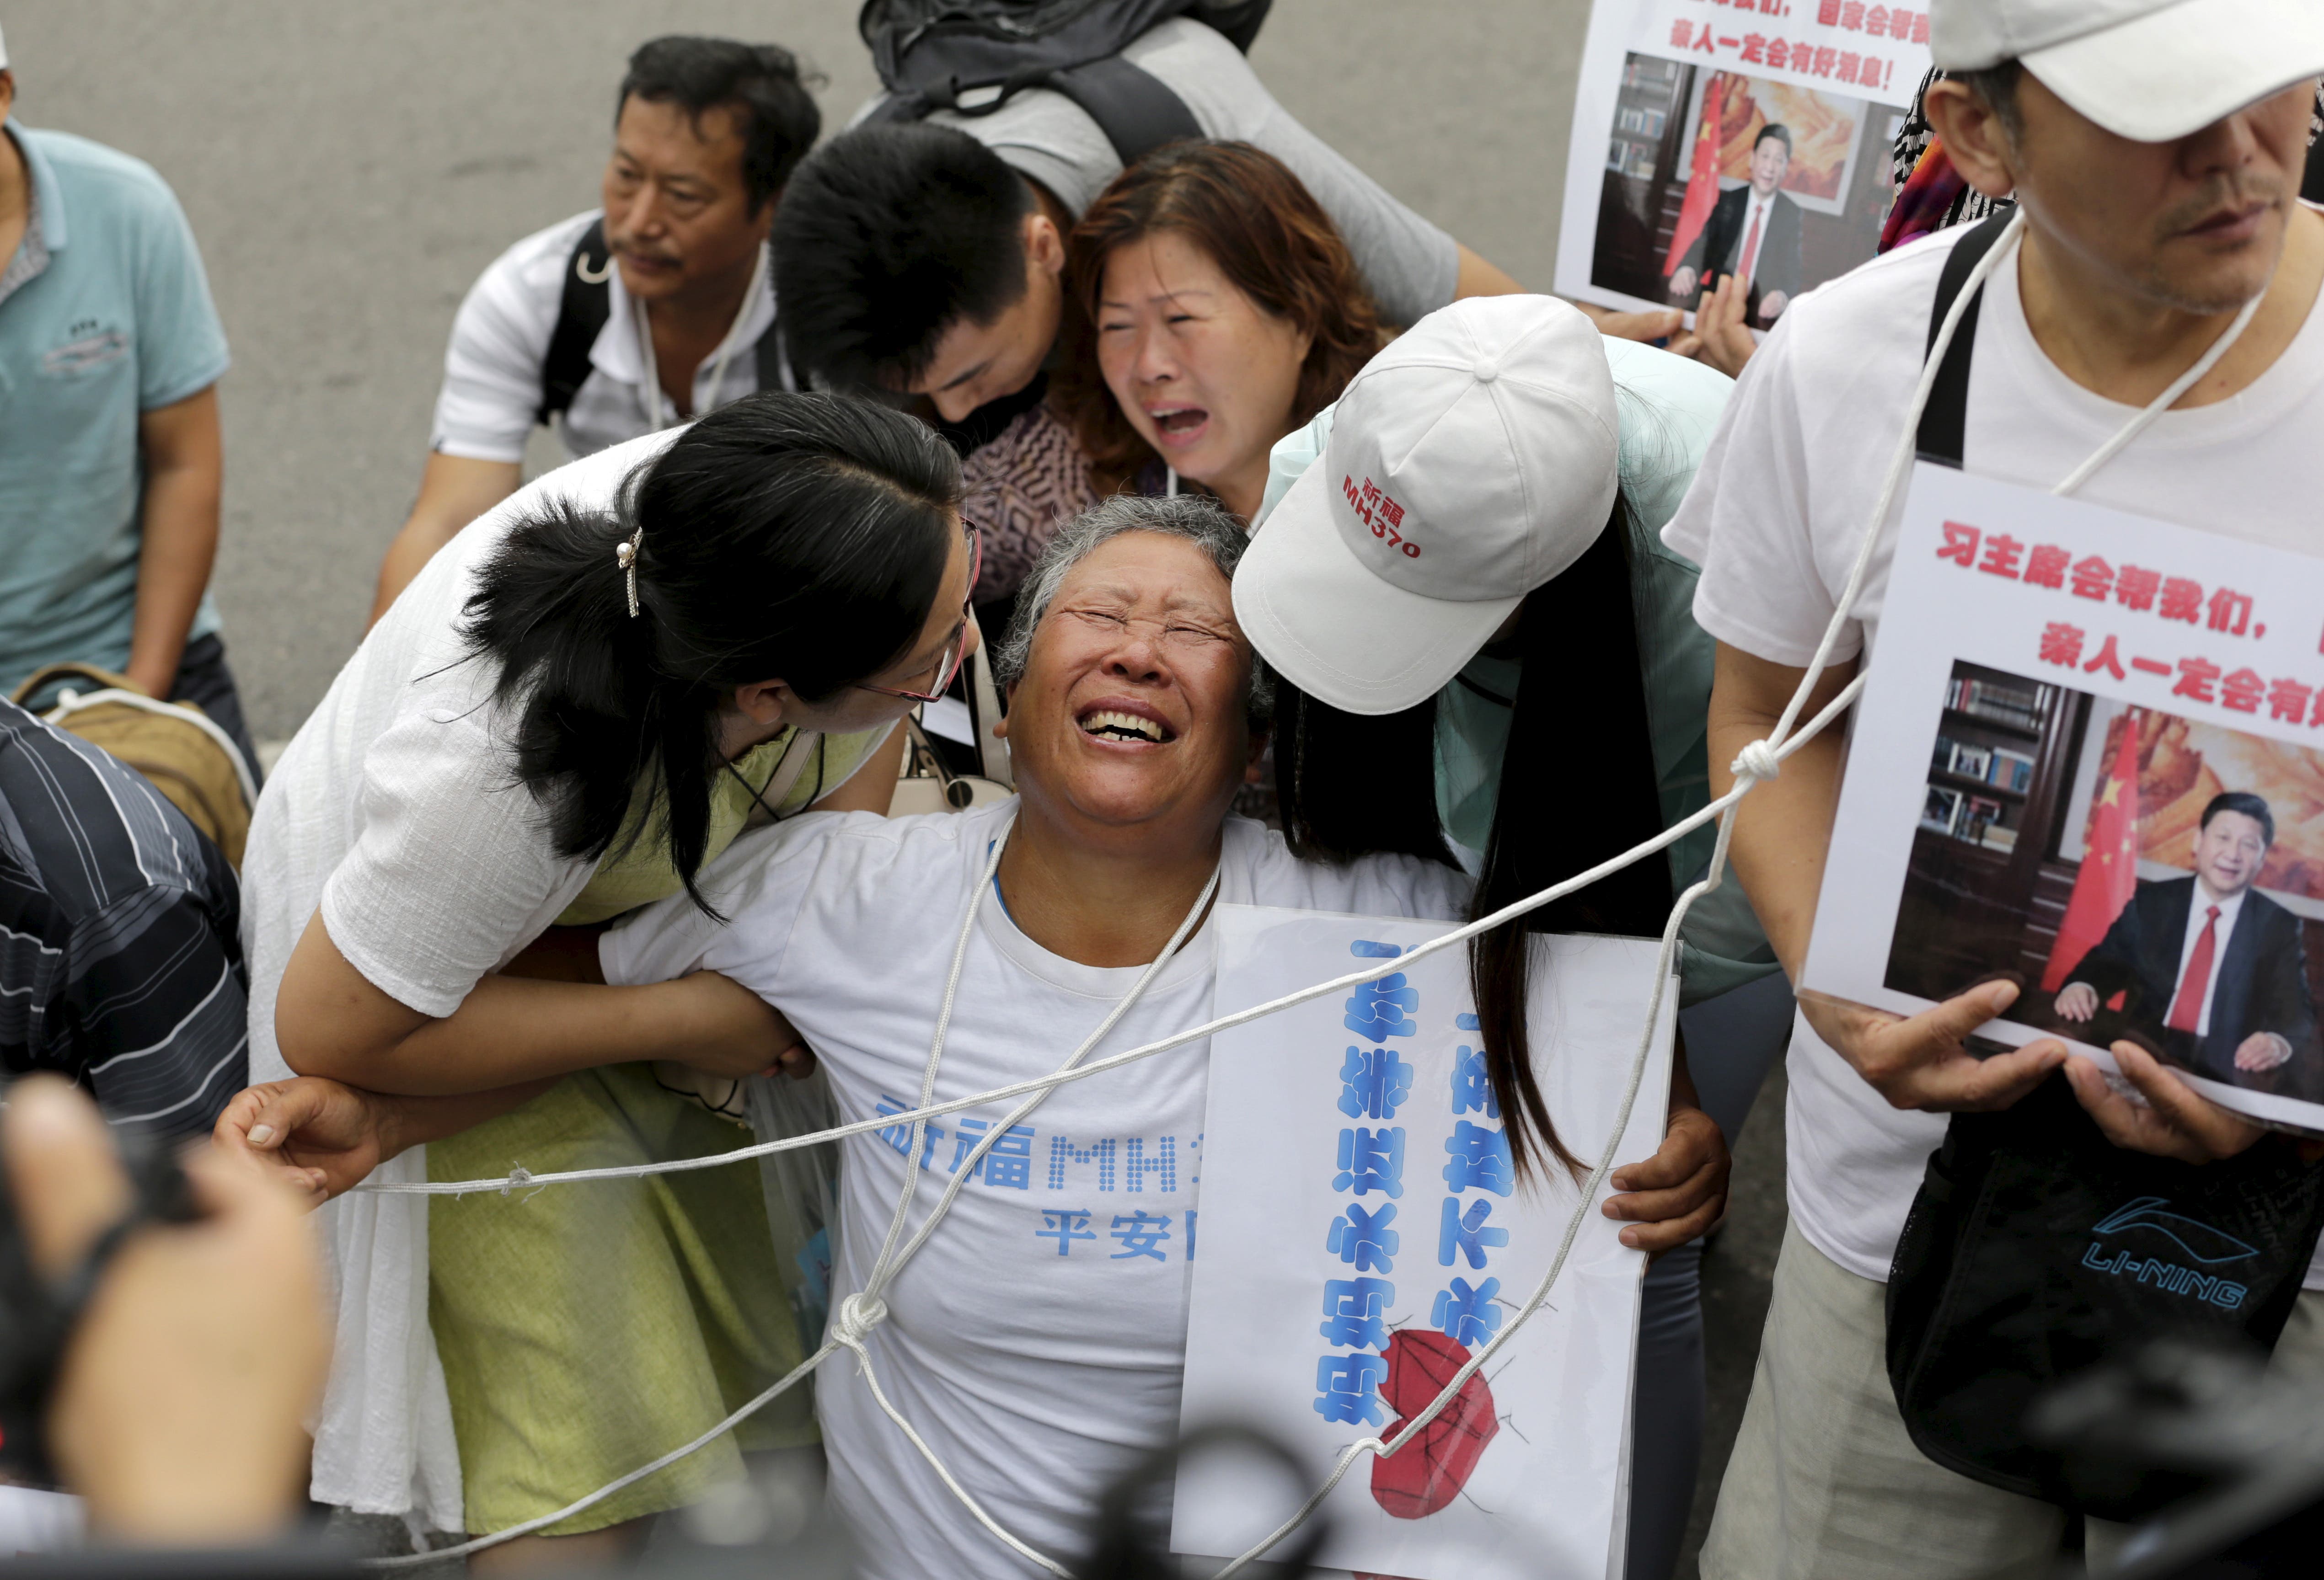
pixel 1750 254
pixel 2187 1009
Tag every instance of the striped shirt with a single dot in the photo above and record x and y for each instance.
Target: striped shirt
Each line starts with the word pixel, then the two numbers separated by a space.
pixel 120 957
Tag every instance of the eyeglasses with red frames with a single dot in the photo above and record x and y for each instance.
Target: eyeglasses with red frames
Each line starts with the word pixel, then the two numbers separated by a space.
pixel 956 650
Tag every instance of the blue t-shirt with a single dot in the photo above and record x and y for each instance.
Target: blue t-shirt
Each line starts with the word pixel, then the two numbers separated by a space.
pixel 117 323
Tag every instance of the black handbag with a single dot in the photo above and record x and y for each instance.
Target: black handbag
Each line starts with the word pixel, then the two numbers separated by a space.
pixel 2037 1249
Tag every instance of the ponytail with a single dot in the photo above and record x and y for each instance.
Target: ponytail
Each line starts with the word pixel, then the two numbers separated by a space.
pixel 798 537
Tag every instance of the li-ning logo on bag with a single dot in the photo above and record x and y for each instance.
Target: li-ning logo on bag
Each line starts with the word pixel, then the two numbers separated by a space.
pixel 2199 1241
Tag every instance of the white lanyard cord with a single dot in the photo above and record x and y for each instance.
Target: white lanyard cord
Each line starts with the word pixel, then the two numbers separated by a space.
pixel 859 1313
pixel 659 412
pixel 1758 761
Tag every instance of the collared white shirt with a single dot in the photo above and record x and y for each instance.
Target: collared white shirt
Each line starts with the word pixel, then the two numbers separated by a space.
pixel 499 345
pixel 1755 207
pixel 2229 908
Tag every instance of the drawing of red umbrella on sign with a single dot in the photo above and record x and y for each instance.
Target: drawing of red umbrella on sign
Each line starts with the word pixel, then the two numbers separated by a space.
pixel 1431 1470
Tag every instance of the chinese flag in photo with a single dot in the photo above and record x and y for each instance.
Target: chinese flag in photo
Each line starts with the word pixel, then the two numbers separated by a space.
pixel 2109 862
pixel 1702 185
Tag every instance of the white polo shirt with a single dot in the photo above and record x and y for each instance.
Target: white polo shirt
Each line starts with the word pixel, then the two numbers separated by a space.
pixel 500 345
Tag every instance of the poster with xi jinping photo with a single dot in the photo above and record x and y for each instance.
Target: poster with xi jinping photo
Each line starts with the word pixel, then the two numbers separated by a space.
pixel 2089 759
pixel 1745 137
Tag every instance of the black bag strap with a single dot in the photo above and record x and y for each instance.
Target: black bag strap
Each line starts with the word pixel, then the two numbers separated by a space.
pixel 581 312
pixel 1946 416
pixel 1137 112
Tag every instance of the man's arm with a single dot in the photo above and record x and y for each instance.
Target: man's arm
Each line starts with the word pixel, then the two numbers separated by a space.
pixel 1782 831
pixel 1480 279
pixel 454 490
pixel 185 466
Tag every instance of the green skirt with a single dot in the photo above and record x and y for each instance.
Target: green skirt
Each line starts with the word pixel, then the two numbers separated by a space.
pixel 586 1330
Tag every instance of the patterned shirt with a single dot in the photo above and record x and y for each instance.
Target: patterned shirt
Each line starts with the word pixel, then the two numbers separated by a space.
pixel 120 952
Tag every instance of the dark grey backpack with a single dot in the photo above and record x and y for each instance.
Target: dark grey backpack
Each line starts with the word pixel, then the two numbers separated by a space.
pixel 972 56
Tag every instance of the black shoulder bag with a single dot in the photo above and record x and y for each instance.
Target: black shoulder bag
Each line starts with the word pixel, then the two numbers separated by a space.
pixel 2037 1249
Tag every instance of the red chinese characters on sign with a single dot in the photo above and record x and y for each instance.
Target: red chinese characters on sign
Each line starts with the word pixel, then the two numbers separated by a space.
pixel 2109 659
pixel 2046 566
pixel 2182 600
pixel 1380 512
pixel 2053 566
pixel 2196 676
pixel 2242 691
pixel 1896 22
pixel 1860 68
pixel 2198 679
pixel 2230 611
pixel 2287 700
pixel 2001 552
pixel 2062 644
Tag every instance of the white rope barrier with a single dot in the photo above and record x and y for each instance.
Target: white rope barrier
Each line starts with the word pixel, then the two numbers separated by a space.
pixel 1758 762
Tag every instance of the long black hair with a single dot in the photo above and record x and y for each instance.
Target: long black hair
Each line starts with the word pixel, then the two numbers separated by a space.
pixel 795 537
pixel 1577 787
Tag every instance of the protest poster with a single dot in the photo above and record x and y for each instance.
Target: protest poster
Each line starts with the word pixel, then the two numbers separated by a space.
pixel 1363 1236
pixel 2082 731
pixel 1686 108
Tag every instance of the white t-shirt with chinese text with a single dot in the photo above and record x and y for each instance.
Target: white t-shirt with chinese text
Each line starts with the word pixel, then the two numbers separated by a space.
pixel 493 369
pixel 1779 508
pixel 1037 1341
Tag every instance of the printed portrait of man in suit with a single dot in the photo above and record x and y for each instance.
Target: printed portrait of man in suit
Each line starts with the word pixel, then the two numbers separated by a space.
pixel 1754 231
pixel 2214 970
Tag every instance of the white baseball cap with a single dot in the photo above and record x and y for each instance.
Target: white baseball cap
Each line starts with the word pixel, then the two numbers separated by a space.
pixel 4 54
pixel 2151 70
pixel 1473 459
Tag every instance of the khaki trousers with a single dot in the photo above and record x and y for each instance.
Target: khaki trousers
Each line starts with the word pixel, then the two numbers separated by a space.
pixel 1824 1485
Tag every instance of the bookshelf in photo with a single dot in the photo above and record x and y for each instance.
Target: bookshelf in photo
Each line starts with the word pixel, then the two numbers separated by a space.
pixel 1654 94
pixel 1982 767
pixel 1982 885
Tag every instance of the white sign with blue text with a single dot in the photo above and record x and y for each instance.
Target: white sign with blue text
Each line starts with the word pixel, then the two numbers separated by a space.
pixel 1364 1235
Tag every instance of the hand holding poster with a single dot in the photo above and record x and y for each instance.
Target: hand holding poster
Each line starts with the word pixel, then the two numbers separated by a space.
pixel 2090 757
pixel 1749 137
pixel 1364 1236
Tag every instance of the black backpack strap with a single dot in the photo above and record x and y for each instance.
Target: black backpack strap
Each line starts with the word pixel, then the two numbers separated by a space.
pixel 581 313
pixel 1137 112
pixel 1946 417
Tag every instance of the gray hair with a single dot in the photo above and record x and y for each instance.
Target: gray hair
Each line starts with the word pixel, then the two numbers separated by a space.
pixel 1200 520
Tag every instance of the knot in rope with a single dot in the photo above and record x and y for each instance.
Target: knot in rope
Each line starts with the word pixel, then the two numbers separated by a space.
pixel 518 1178
pixel 1757 761
pixel 857 1315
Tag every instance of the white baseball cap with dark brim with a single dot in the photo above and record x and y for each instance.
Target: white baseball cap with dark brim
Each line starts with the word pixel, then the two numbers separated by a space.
pixel 1473 459
pixel 2150 70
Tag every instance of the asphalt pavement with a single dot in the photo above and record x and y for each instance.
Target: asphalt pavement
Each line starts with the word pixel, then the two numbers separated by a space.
pixel 349 168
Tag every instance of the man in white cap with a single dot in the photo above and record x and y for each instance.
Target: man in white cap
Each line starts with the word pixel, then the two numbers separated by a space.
pixel 2155 148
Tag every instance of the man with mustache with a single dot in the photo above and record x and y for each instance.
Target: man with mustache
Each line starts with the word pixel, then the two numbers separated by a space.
pixel 647 311
pixel 2156 149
